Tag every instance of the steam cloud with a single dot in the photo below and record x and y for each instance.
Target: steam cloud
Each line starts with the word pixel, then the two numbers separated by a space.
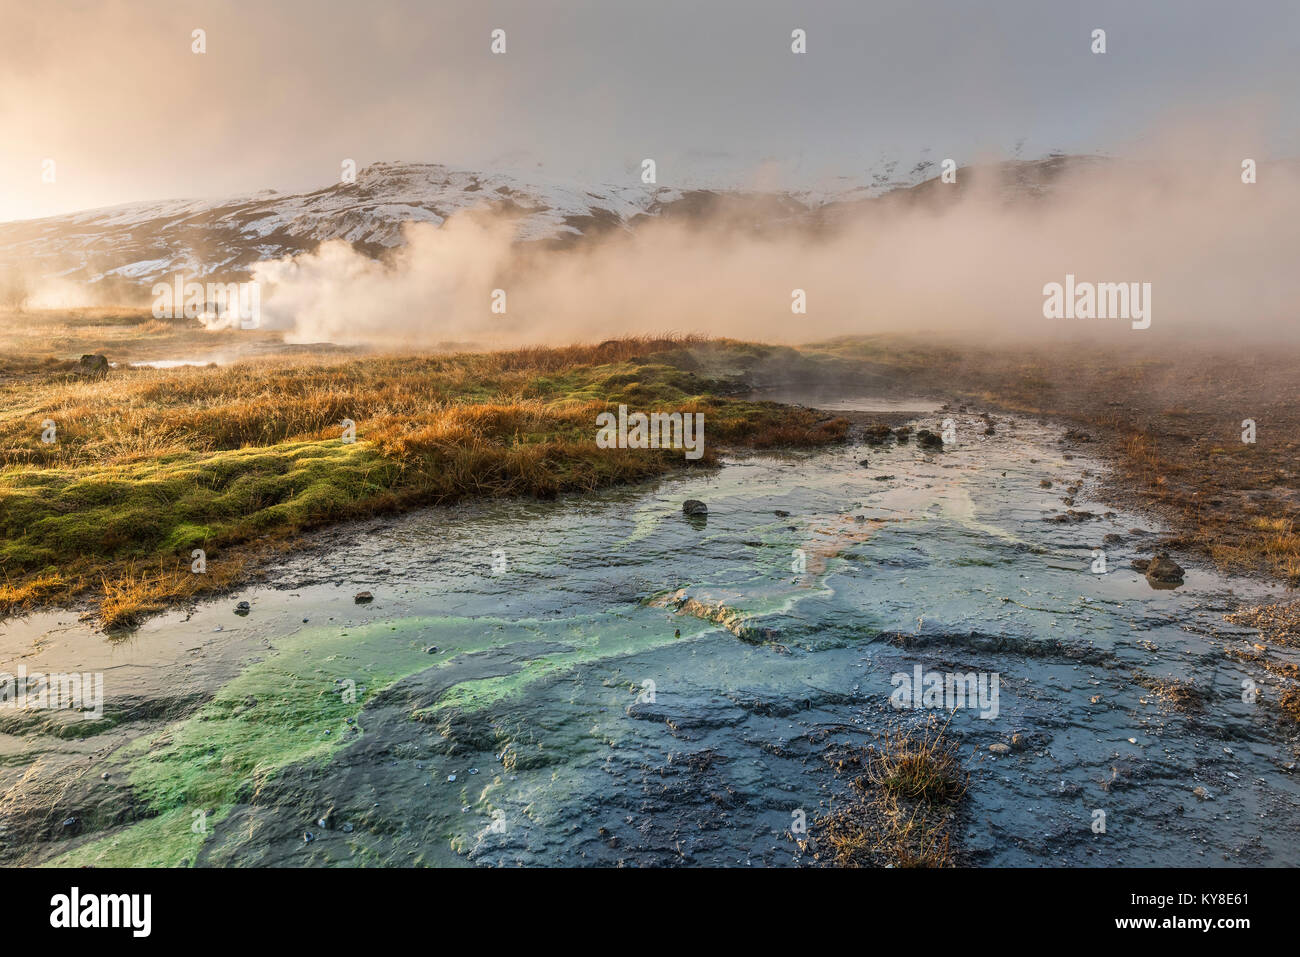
pixel 973 257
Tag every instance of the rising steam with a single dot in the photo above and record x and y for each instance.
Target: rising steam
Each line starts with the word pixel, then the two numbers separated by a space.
pixel 973 257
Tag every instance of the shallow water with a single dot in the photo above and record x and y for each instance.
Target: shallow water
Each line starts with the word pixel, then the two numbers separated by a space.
pixel 586 720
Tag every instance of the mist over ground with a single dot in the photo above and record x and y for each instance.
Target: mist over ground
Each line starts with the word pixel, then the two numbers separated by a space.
pixel 970 257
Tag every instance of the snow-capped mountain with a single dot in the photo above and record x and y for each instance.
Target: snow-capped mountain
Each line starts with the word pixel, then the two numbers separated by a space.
pixel 138 244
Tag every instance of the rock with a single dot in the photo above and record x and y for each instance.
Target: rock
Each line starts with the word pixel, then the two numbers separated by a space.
pixel 865 463
pixel 876 434
pixel 928 440
pixel 362 597
pixel 93 365
pixel 431 650
pixel 781 513
pixel 693 506
pixel 1018 742
pixel 1045 483
pixel 999 748
pixel 1164 569
pixel 1141 564
pixel 1203 794
pixel 243 608
pixel 1071 517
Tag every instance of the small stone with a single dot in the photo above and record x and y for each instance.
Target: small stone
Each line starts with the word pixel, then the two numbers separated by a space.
pixel 451 777
pixel 1164 569
pixel 92 365
pixel 693 506
pixel 473 770
pixel 431 650
pixel 308 837
pixel 347 828
pixel 362 597
pixel 1203 794
pixel 243 608
pixel 999 748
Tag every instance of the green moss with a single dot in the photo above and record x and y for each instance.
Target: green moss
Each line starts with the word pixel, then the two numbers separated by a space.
pixel 169 840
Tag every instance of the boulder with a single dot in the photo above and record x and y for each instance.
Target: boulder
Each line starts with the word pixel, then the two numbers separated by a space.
pixel 93 365
pixel 1164 569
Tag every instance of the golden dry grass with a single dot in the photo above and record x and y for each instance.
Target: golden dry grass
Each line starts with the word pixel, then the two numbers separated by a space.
pixel 905 802
pixel 149 464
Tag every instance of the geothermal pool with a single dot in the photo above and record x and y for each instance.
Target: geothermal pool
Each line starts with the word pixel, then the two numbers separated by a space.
pixel 601 680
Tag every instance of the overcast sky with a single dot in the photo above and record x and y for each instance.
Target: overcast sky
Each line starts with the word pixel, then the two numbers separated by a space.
pixel 288 89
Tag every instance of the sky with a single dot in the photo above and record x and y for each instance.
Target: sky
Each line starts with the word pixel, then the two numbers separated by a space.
pixel 112 92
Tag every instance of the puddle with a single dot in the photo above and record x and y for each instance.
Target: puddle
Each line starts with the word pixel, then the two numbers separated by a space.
pixel 174 363
pixel 836 401
pixel 598 680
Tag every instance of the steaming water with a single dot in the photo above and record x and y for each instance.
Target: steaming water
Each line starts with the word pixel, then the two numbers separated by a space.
pixel 537 700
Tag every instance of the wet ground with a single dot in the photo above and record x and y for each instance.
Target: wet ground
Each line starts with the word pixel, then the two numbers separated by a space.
pixel 602 680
